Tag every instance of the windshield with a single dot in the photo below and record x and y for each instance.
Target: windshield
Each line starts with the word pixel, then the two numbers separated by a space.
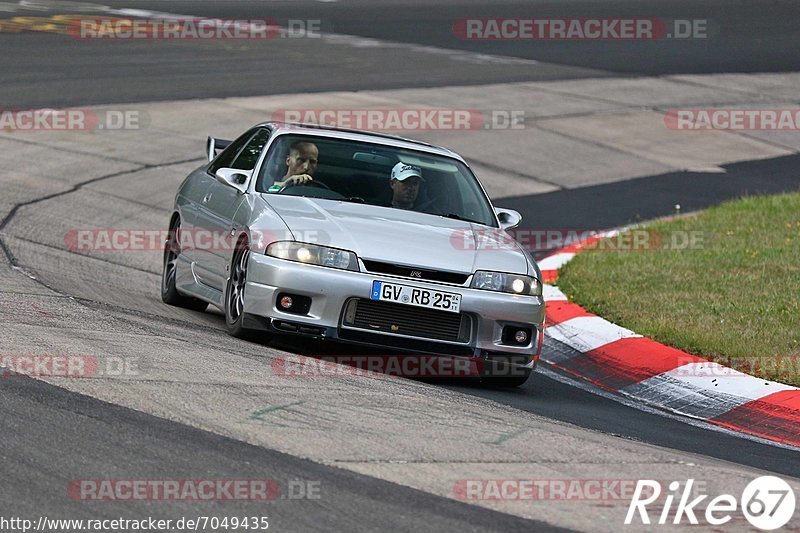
pixel 344 170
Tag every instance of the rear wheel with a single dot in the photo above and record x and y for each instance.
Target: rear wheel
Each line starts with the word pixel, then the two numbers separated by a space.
pixel 169 292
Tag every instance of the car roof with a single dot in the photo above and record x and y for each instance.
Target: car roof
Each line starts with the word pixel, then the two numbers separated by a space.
pixel 361 135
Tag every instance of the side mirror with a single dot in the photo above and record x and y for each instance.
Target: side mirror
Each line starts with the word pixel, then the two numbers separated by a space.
pixel 509 219
pixel 234 177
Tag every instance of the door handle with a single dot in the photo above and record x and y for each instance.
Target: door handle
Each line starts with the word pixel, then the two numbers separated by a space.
pixel 206 198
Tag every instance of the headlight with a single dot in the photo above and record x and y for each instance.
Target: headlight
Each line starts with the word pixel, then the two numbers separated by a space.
pixel 313 254
pixel 502 282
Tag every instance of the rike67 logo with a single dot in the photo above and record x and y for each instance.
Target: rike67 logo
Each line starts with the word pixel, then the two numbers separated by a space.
pixel 767 502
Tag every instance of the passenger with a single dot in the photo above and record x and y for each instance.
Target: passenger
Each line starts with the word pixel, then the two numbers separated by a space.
pixel 405 181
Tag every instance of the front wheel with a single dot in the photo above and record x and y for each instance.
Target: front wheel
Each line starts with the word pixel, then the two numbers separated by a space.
pixel 169 292
pixel 234 292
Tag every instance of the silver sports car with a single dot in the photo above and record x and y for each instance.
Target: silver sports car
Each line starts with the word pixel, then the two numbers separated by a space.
pixel 355 237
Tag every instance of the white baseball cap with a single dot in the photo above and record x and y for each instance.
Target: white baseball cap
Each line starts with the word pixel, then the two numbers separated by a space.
pixel 403 171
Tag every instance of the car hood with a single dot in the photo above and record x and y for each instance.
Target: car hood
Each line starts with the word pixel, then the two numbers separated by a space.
pixel 400 237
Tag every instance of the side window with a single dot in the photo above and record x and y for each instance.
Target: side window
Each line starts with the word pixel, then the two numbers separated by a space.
pixel 226 157
pixel 275 164
pixel 248 157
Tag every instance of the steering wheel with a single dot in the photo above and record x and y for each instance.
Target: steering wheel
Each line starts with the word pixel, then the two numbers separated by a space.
pixel 430 203
pixel 315 183
pixel 312 183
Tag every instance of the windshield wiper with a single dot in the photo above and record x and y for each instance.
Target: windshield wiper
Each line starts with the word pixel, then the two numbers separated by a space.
pixel 354 199
pixel 459 217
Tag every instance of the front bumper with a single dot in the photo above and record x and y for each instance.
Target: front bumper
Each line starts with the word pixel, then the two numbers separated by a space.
pixel 331 289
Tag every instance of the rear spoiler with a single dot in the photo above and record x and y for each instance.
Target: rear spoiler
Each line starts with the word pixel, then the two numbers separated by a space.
pixel 215 145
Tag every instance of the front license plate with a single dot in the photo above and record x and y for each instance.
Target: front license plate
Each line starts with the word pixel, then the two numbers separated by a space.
pixel 403 294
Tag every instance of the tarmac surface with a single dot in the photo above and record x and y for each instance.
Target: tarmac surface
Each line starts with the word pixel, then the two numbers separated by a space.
pixel 594 153
pixel 366 45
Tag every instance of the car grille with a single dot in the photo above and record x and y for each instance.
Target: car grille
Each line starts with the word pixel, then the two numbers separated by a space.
pixel 412 321
pixel 415 273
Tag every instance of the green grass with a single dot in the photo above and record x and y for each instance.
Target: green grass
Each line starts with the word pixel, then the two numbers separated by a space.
pixel 733 297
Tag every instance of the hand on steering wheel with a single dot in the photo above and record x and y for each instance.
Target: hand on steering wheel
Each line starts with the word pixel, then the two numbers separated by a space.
pixel 297 179
pixel 302 179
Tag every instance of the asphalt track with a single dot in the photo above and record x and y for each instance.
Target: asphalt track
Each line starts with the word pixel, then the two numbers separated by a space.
pixel 626 202
pixel 743 36
pixel 750 37
pixel 95 436
pixel 78 437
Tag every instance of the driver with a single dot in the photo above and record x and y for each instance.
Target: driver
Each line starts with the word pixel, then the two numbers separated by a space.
pixel 301 165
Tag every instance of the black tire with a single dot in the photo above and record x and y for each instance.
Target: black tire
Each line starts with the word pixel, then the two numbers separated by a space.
pixel 234 292
pixel 169 293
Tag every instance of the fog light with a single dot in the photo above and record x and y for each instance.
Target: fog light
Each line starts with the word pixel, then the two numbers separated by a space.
pixel 296 304
pixel 521 336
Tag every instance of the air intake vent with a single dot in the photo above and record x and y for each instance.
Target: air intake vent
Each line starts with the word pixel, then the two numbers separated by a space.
pixel 415 273
pixel 398 319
